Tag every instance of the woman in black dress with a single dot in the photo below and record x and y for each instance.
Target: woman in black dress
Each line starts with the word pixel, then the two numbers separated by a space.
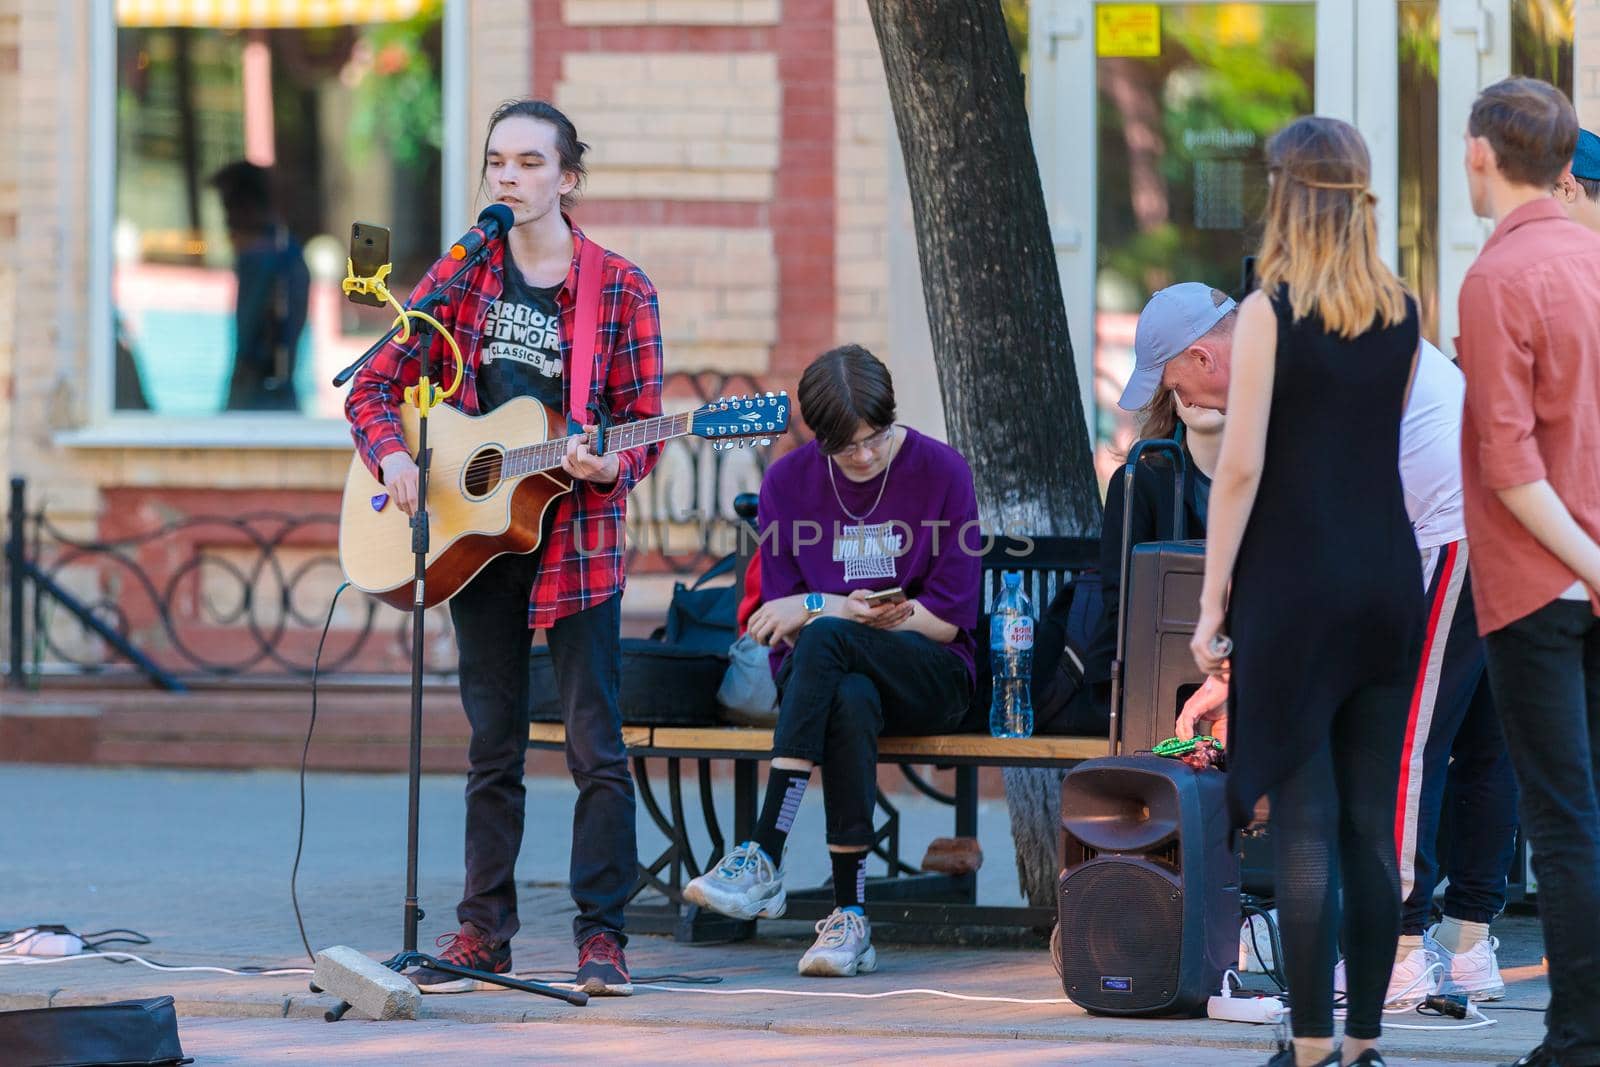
pixel 1308 526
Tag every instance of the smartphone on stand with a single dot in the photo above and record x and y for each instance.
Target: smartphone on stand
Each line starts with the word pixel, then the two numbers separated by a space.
pixel 369 252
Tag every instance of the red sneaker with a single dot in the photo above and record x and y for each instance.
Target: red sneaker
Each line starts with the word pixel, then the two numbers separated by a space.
pixel 467 947
pixel 602 969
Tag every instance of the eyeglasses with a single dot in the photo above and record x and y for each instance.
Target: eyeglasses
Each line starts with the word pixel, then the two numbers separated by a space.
pixel 867 445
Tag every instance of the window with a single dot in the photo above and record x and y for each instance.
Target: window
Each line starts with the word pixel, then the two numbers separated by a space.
pixel 1188 95
pixel 247 140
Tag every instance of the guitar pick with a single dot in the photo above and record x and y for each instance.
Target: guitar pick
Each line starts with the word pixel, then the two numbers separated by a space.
pixel 380 501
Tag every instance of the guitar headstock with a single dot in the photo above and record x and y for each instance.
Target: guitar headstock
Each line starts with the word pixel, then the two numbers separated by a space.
pixel 736 421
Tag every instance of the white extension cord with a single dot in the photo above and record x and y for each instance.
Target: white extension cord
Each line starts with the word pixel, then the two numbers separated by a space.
pixel 1246 1007
pixel 41 941
pixel 16 961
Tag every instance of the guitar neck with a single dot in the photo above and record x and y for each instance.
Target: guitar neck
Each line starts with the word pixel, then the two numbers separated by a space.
pixel 547 455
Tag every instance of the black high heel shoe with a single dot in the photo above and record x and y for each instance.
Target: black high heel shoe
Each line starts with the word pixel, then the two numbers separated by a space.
pixel 1285 1058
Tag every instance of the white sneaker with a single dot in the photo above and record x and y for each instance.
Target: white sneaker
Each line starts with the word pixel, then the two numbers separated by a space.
pixel 1414 978
pixel 1475 972
pixel 843 948
pixel 743 885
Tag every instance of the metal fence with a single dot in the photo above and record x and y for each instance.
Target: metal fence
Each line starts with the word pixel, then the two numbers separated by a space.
pixel 226 596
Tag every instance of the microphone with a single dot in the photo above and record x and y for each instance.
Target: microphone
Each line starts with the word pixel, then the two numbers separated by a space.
pixel 493 222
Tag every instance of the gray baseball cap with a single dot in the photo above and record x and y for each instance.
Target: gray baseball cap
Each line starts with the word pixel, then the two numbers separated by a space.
pixel 1175 318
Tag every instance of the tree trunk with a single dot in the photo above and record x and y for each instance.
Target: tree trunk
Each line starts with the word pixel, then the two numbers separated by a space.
pixel 998 325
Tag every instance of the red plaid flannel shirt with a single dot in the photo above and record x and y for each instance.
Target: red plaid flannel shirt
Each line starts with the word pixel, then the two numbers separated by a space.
pixel 581 562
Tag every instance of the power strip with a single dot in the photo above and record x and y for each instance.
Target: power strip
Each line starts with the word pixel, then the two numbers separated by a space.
pixel 42 941
pixel 1244 1009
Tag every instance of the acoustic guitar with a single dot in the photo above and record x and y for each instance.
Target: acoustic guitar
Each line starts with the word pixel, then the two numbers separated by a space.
pixel 492 480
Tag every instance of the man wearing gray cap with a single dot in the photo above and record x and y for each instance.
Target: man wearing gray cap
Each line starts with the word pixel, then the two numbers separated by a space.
pixel 1184 342
pixel 1578 190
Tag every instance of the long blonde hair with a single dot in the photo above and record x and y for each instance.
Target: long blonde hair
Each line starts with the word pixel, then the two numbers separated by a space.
pixel 1321 233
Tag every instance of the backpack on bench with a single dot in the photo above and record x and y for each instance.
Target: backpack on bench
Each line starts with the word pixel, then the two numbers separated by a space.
pixel 670 678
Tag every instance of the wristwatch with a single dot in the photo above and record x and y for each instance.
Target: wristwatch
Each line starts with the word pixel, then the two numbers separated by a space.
pixel 814 605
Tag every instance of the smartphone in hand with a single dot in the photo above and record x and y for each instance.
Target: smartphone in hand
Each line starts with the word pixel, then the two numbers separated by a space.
pixel 896 595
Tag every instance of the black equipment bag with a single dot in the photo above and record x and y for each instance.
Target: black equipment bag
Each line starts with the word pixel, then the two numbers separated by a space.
pixel 672 678
pixel 127 1032
pixel 662 685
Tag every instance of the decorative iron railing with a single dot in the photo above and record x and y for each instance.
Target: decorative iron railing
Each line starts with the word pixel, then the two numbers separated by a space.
pixel 221 596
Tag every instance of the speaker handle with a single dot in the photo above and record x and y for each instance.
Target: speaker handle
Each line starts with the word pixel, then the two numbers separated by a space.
pixel 1180 465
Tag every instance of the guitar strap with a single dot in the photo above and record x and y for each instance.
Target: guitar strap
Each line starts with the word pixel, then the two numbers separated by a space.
pixel 580 368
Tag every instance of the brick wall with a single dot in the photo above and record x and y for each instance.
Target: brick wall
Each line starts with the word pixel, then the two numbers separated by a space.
pixel 864 137
pixel 713 145
pixel 10 67
pixel 670 12
pixel 500 65
pixel 682 172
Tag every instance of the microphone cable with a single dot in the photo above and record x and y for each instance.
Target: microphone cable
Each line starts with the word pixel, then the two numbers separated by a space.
pixel 300 835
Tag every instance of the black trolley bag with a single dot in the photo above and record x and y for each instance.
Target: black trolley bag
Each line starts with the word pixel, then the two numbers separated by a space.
pixel 1148 900
pixel 1154 672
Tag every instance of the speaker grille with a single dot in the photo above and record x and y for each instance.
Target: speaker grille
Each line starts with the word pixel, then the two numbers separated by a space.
pixel 1121 935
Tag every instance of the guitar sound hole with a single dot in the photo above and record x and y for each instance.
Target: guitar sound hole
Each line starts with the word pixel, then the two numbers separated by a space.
pixel 482 475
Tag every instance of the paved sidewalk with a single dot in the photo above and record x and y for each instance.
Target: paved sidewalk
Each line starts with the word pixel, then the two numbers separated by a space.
pixel 221 1041
pixel 199 861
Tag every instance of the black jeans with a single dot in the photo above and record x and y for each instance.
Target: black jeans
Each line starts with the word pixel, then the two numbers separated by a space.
pixel 491 620
pixel 1545 670
pixel 1333 824
pixel 845 685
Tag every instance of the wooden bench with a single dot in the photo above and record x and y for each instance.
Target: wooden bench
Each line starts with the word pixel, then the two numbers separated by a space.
pixel 908 904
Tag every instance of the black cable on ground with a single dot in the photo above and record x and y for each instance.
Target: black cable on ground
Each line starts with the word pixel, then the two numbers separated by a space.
pixel 1510 1007
pixel 300 835
pixel 1252 908
pixel 658 979
pixel 91 945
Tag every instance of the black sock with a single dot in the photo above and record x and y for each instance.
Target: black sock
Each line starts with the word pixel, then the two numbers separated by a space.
pixel 849 879
pixel 785 788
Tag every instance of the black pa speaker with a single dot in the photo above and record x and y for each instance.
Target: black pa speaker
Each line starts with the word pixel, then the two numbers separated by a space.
pixel 1149 894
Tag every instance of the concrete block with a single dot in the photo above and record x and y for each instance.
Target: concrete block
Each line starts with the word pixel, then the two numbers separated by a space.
pixel 371 988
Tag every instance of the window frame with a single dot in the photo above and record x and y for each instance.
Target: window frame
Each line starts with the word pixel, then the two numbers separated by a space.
pixel 106 427
pixel 1354 83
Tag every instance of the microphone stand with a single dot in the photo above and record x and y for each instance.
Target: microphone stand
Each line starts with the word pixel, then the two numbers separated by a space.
pixel 424 397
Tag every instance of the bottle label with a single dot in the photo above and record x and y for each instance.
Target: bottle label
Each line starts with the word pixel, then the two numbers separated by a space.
pixel 1019 633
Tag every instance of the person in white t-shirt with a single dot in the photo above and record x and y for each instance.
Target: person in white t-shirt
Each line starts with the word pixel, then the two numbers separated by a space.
pixel 1453 742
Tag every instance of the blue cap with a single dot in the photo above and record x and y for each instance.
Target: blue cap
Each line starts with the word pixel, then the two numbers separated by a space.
pixel 1586 160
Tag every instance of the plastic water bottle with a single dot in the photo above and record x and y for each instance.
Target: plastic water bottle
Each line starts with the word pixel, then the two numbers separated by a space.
pixel 1011 661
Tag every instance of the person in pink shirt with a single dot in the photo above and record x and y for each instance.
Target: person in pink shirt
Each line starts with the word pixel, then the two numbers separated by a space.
pixel 1530 462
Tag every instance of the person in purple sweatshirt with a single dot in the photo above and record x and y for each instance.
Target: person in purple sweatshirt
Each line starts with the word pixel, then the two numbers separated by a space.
pixel 869 506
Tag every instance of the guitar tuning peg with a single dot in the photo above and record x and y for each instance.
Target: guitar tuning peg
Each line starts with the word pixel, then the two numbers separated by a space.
pixel 764 441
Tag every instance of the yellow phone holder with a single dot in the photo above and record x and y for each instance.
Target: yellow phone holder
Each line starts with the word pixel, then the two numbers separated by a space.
pixel 425 395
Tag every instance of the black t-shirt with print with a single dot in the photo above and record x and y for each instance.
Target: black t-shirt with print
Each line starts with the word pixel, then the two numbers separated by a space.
pixel 521 351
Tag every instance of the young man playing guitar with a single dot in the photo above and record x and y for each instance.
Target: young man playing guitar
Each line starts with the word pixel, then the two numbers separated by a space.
pixel 514 317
